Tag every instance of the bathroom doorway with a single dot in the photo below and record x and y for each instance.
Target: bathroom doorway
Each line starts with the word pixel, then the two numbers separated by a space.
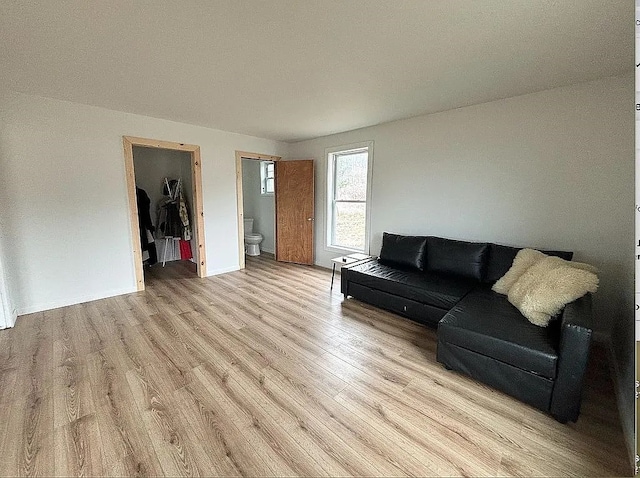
pixel 193 182
pixel 258 206
pixel 294 202
pixel 256 201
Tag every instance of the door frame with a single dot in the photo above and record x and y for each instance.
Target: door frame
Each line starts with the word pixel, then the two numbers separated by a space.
pixel 196 175
pixel 240 155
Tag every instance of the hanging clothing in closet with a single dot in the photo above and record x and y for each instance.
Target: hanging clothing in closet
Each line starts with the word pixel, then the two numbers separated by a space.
pixel 173 216
pixel 173 212
pixel 146 226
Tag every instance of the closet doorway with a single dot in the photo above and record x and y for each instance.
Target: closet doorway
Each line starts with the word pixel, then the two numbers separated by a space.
pixel 194 185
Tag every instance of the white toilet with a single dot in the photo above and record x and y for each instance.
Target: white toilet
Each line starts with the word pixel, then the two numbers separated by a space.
pixel 252 239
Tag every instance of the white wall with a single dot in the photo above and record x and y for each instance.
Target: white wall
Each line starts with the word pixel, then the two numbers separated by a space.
pixel 258 206
pixel 65 212
pixel 550 170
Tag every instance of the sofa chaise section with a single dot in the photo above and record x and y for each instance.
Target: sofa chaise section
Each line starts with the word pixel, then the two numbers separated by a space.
pixel 488 339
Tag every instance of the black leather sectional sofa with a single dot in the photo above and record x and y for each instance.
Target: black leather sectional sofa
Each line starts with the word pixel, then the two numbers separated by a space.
pixel 447 284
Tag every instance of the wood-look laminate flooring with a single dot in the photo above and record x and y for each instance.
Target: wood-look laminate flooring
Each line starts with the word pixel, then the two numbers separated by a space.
pixel 266 371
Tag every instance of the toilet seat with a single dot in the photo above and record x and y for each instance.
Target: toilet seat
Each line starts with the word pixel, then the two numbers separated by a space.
pixel 253 236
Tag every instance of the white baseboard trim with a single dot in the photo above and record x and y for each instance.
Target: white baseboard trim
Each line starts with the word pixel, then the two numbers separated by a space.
pixel 605 339
pixel 76 300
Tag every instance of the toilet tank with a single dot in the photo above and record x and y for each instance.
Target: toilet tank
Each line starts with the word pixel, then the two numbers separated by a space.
pixel 248 225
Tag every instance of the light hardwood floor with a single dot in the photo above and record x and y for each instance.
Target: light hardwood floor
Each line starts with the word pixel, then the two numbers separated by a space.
pixel 266 371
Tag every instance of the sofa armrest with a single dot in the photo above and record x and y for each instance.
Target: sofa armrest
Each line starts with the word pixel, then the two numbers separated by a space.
pixel 573 355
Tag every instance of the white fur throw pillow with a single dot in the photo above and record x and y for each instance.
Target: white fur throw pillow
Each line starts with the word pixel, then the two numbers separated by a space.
pixel 524 259
pixel 543 284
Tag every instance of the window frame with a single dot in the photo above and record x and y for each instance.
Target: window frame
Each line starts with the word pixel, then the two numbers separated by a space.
pixel 329 223
pixel 264 170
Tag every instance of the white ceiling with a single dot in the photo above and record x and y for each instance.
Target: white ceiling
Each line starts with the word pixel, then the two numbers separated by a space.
pixel 297 69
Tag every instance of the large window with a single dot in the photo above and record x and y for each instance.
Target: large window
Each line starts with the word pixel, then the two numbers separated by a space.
pixel 348 181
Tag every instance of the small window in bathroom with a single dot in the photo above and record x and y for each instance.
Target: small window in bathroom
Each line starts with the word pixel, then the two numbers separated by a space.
pixel 267 177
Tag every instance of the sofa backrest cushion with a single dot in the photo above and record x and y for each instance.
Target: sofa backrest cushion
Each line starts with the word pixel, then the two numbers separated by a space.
pixel 403 251
pixel 464 259
pixel 500 260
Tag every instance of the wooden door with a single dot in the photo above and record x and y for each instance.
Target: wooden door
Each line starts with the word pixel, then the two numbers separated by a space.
pixel 294 211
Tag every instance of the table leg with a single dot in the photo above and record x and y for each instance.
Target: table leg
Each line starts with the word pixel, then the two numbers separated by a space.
pixel 333 273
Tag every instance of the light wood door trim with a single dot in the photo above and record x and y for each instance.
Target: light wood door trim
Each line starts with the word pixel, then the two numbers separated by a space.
pixel 295 215
pixel 133 211
pixel 257 156
pixel 198 213
pixel 196 173
pixel 240 155
pixel 156 143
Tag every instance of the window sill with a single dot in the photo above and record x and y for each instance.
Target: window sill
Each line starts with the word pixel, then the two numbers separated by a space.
pixel 343 250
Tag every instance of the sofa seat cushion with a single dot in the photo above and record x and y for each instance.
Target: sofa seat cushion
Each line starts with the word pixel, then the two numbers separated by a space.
pixel 432 289
pixel 486 323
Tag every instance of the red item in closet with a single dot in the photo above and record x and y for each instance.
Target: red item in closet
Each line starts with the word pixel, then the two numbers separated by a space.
pixel 185 250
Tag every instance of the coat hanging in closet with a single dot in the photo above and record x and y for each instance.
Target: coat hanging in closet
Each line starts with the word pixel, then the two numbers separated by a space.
pixel 173 212
pixel 145 224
